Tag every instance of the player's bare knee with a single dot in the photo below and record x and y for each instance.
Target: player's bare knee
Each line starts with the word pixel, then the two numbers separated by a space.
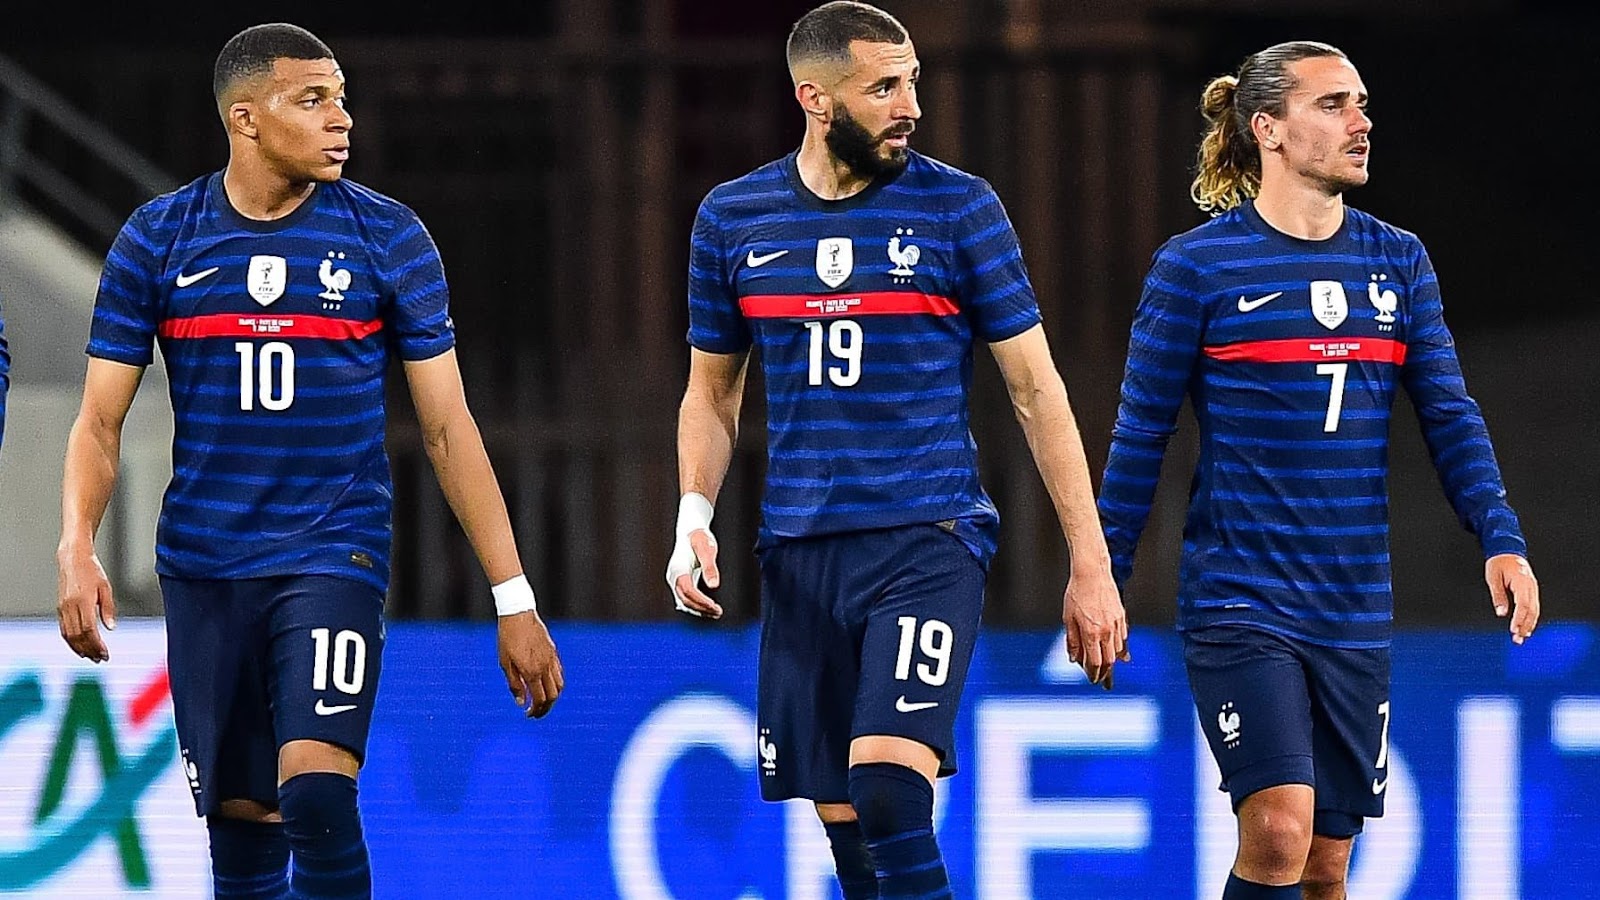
pixel 1275 831
pixel 884 748
pixel 1327 867
pixel 1322 887
pixel 831 813
pixel 302 757
pixel 1276 846
pixel 247 811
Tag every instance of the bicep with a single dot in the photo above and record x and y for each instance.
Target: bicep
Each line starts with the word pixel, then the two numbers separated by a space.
pixel 108 391
pixel 436 389
pixel 719 377
pixel 1024 360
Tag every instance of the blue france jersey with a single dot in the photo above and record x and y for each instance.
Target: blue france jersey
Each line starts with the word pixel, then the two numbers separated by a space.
pixel 864 311
pixel 1291 352
pixel 276 337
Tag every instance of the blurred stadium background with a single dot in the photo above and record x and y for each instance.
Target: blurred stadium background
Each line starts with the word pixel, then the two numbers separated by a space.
pixel 557 150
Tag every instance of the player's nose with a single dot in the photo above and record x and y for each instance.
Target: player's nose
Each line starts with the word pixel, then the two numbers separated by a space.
pixel 340 120
pixel 910 108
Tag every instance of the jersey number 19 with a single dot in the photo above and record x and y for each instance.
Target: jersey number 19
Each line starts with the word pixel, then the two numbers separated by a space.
pixel 844 343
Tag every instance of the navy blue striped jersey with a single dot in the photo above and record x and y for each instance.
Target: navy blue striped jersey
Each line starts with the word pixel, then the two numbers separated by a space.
pixel 276 337
pixel 1291 352
pixel 864 311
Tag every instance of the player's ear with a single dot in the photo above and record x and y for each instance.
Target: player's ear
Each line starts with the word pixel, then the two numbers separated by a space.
pixel 1266 130
pixel 814 101
pixel 240 118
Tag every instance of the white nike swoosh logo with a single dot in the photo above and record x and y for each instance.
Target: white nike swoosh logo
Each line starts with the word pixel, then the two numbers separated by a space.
pixel 1378 786
pixel 1259 301
pixel 186 280
pixel 756 262
pixel 324 709
pixel 903 706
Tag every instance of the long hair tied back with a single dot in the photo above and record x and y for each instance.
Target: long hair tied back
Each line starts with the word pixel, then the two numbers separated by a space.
pixel 1228 164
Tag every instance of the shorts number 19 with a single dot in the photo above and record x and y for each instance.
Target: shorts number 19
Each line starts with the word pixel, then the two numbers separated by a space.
pixel 936 641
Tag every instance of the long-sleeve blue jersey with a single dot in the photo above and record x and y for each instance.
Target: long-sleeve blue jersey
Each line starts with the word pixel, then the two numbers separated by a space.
pixel 1291 352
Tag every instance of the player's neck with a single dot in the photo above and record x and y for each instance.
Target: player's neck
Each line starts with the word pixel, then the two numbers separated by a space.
pixel 1299 210
pixel 256 192
pixel 822 172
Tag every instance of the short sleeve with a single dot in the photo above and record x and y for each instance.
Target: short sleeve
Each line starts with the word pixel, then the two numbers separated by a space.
pixel 716 324
pixel 127 309
pixel 420 316
pixel 993 280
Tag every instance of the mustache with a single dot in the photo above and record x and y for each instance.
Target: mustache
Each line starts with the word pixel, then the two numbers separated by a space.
pixel 902 130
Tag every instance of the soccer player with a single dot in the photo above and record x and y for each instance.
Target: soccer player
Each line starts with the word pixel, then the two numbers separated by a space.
pixel 1291 320
pixel 864 271
pixel 280 293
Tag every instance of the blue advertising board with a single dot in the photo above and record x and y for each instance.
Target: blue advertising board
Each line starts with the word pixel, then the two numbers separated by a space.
pixel 643 783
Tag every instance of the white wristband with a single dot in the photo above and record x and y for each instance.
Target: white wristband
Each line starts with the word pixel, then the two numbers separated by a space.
pixel 514 596
pixel 694 514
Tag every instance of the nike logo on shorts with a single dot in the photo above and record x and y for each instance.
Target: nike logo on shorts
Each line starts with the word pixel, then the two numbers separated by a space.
pixel 1378 786
pixel 1259 301
pixel 902 705
pixel 324 709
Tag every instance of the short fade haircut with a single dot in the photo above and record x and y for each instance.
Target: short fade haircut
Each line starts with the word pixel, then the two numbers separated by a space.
pixel 252 51
pixel 825 33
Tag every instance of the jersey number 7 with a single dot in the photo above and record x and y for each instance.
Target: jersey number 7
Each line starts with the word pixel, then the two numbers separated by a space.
pixel 1335 393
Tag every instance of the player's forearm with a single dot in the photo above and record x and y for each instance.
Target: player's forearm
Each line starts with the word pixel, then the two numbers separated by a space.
pixel 94 447
pixel 455 447
pixel 1052 433
pixel 708 429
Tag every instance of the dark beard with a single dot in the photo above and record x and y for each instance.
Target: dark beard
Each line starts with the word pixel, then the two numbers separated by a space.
pixel 857 148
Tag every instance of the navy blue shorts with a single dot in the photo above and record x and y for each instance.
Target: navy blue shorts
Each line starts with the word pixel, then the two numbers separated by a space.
pixel 1281 711
pixel 256 663
pixel 862 633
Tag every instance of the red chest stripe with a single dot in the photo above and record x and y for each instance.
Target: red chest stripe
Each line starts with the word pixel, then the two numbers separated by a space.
pixel 289 326
pixel 880 303
pixel 1382 350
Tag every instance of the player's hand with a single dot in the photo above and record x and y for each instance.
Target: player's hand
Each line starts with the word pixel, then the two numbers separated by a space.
pixel 532 667
pixel 694 557
pixel 1515 591
pixel 1097 625
pixel 83 600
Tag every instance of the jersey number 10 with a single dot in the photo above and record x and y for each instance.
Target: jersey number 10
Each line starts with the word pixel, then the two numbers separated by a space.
pixel 275 391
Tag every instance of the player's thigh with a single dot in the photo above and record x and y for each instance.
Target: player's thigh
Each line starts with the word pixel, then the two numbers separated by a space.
pixel 921 631
pixel 1250 692
pixel 807 672
pixel 326 652
pixel 220 706
pixel 1350 713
